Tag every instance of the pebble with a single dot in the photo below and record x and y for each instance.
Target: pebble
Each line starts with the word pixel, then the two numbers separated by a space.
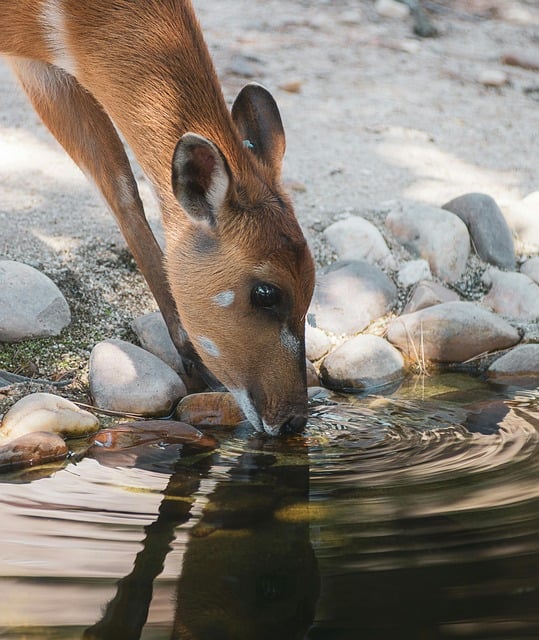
pixel 427 293
pixel 490 233
pixel 126 378
pixel 492 77
pixel 317 343
pixel 391 9
pixel 531 269
pixel 349 295
pixel 48 412
pixel 32 449
pixel 413 271
pixel 434 234
pixel 363 362
pixel 31 305
pixel 153 335
pixel 209 410
pixel 450 332
pixel 523 216
pixel 522 361
pixel 513 295
pixel 525 60
pixel 355 238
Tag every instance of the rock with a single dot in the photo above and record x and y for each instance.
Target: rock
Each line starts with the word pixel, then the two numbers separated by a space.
pixel 128 379
pixel 32 449
pixel 413 271
pixel 312 375
pixel 521 59
pixel 427 293
pixel 523 217
pixel 520 362
pixel 391 9
pixel 317 343
pixel 209 410
pixel 513 295
pixel 492 77
pixel 47 412
pixel 355 238
pixel 349 295
pixel 531 269
pixel 292 86
pixel 153 334
pixel 363 362
pixel 434 234
pixel 450 332
pixel 490 234
pixel 31 305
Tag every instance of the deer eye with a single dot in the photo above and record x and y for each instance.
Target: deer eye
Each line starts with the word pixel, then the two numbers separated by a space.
pixel 265 296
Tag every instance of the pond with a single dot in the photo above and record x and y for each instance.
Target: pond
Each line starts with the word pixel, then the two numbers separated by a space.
pixel 414 515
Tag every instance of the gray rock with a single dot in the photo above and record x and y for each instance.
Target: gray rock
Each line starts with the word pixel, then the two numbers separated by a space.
pixel 31 305
pixel 355 238
pixel 126 378
pixel 427 293
pixel 521 361
pixel 153 334
pixel 434 234
pixel 531 269
pixel 413 271
pixel 450 332
pixel 317 343
pixel 349 295
pixel 513 295
pixel 363 362
pixel 490 234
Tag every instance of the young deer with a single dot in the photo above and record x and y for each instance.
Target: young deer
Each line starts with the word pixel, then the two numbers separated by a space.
pixel 237 277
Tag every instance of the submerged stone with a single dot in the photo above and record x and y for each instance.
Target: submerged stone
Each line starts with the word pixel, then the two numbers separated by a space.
pixel 30 450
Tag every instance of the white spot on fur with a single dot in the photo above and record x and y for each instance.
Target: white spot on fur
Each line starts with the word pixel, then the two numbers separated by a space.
pixel 55 34
pixel 224 299
pixel 209 346
pixel 289 341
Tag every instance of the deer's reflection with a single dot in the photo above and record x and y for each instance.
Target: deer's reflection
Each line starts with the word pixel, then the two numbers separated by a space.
pixel 249 570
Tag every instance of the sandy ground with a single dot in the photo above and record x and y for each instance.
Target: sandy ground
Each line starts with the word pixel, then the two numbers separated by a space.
pixel 375 114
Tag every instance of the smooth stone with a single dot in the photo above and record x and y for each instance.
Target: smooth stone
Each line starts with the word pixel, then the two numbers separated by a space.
pixel 522 361
pixel 437 235
pixel 511 294
pixel 413 271
pixel 492 77
pixel 450 332
pixel 317 343
pixel 355 238
pixel 129 379
pixel 391 9
pixel 47 412
pixel 531 269
pixel 489 231
pixel 349 295
pixel 31 305
pixel 427 293
pixel 363 362
pixel 153 334
pixel 523 217
pixel 209 410
pixel 32 449
pixel 312 375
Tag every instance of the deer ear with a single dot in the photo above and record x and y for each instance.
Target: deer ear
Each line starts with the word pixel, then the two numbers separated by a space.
pixel 200 177
pixel 257 118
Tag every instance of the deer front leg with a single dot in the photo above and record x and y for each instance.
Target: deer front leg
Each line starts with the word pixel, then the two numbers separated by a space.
pixel 81 126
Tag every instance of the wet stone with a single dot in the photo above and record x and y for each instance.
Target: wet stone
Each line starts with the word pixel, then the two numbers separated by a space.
pixel 153 334
pixel 436 235
pixel 531 269
pixel 427 293
pixel 513 295
pixel 363 362
pixel 355 238
pixel 126 378
pixel 349 295
pixel 209 410
pixel 47 412
pixel 450 332
pixel 520 362
pixel 31 305
pixel 490 234
pixel 30 450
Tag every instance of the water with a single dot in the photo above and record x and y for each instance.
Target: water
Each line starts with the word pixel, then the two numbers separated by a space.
pixel 413 516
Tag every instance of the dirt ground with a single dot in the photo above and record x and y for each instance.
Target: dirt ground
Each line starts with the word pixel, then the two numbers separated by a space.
pixel 372 113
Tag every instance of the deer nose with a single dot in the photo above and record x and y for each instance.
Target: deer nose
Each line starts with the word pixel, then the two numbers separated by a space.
pixel 296 424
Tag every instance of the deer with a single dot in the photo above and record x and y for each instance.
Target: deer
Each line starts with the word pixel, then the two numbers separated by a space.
pixel 236 276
